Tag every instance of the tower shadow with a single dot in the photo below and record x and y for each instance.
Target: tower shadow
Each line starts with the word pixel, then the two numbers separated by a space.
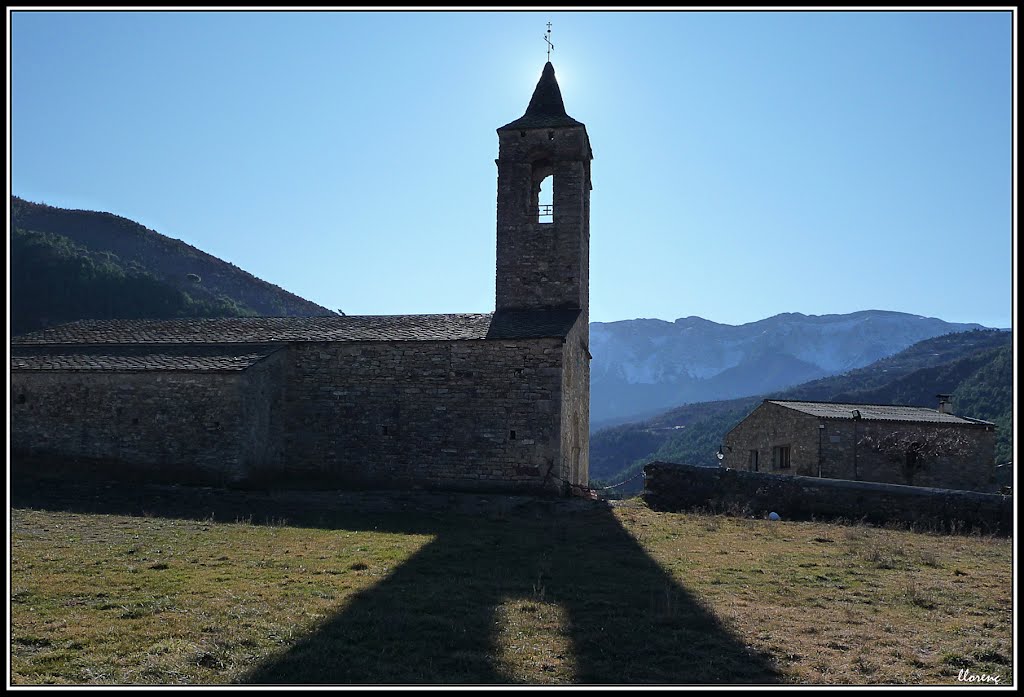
pixel 436 619
pixel 444 616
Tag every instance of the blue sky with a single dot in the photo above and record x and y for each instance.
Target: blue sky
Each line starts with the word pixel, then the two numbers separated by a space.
pixel 745 163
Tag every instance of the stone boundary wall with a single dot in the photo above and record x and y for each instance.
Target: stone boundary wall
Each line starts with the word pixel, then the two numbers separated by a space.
pixel 671 486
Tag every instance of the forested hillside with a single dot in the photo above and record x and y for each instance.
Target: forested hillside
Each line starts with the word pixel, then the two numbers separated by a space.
pixel 53 280
pixel 62 255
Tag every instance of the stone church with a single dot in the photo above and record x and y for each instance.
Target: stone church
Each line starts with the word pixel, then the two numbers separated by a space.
pixel 488 402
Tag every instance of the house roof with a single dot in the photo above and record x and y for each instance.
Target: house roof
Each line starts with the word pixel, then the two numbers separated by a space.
pixel 118 358
pixel 877 412
pixel 507 324
pixel 546 109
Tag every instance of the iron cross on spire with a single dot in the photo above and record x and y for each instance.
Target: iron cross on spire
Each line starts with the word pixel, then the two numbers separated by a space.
pixel 547 37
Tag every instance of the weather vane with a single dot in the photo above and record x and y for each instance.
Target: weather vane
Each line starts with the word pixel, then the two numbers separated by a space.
pixel 551 46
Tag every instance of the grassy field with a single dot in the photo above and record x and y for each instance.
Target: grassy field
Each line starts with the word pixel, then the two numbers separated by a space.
pixel 137 585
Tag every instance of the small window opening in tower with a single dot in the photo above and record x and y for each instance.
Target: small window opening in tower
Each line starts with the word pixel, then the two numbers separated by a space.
pixel 545 201
pixel 541 191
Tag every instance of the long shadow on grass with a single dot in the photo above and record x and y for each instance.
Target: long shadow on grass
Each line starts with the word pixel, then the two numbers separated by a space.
pixel 436 619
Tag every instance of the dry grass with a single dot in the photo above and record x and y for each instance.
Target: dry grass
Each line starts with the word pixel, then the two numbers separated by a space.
pixel 115 599
pixel 617 596
pixel 847 604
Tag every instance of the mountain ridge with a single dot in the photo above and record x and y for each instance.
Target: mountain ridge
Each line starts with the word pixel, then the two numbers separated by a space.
pixel 645 365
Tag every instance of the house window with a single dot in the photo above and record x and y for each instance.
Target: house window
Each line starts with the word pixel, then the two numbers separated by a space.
pixel 752 461
pixel 780 457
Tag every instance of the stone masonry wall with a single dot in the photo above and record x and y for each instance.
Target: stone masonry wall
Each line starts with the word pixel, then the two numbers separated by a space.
pixel 956 457
pixel 576 406
pixel 178 425
pixel 480 415
pixel 262 430
pixel 669 486
pixel 768 426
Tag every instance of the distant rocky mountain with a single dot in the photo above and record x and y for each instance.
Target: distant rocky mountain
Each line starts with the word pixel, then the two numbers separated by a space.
pixel 975 367
pixel 61 253
pixel 644 366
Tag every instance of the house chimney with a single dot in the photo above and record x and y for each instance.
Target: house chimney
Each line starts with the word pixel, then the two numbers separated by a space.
pixel 945 406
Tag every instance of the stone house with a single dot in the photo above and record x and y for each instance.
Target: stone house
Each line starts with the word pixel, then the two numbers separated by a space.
pixel 497 401
pixel 916 446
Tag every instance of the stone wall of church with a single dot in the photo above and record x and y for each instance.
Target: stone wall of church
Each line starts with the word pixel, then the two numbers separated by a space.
pixel 576 406
pixel 175 425
pixel 261 433
pixel 473 415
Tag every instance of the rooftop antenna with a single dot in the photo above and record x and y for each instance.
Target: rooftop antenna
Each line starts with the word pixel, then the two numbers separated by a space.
pixel 547 38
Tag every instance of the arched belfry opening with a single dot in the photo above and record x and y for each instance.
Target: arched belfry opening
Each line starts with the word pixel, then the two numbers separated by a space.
pixel 542 193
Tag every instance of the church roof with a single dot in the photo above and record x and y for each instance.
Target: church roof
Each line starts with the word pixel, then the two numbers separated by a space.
pixel 507 324
pixel 138 358
pixel 877 412
pixel 546 109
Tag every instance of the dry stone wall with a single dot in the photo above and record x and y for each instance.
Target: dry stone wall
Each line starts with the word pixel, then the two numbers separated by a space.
pixel 670 486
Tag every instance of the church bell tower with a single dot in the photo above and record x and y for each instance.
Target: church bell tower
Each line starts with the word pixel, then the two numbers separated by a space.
pixel 543 252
